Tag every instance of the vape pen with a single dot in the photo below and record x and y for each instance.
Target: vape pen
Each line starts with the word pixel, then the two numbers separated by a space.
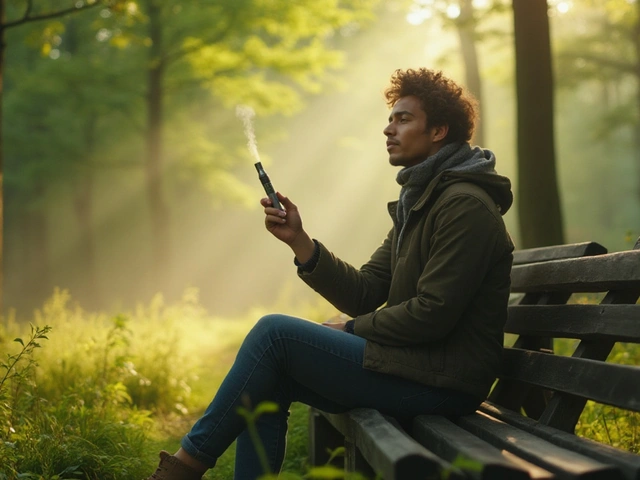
pixel 266 183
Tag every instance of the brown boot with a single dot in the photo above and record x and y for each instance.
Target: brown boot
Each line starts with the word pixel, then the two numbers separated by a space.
pixel 171 468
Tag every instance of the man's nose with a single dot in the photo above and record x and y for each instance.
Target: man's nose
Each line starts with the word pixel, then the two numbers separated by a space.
pixel 388 131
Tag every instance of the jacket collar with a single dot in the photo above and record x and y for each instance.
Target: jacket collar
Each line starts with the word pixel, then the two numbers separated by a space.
pixel 392 207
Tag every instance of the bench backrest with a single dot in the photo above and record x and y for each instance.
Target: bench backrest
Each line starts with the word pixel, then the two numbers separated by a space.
pixel 554 388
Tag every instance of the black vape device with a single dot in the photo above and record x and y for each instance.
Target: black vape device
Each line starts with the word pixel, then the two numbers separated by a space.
pixel 268 188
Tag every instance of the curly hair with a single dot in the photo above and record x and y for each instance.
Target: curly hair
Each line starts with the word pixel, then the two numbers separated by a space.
pixel 444 101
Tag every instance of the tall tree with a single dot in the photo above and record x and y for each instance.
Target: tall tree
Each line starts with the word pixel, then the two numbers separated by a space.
pixel 29 14
pixel 607 51
pixel 186 59
pixel 242 51
pixel 539 208
pixel 466 25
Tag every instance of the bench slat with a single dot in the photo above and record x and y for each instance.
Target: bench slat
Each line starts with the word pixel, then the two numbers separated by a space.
pixel 617 323
pixel 611 384
pixel 629 463
pixel 564 463
pixel 448 441
pixel 452 473
pixel 557 252
pixel 600 273
pixel 387 449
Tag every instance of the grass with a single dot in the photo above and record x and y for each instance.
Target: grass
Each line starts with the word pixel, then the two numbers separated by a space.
pixel 95 396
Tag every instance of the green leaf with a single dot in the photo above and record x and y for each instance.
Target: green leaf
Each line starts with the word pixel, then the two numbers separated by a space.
pixel 266 407
pixel 19 340
pixel 465 463
pixel 243 412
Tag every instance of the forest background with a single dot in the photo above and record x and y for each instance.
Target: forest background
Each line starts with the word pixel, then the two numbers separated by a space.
pixel 133 236
pixel 126 172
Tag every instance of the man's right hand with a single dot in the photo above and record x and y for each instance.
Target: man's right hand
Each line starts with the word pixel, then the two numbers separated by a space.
pixel 286 226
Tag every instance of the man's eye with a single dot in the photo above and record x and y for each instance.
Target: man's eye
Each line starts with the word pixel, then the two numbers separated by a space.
pixel 404 120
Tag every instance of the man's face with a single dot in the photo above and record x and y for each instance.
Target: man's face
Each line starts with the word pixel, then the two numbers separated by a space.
pixel 409 141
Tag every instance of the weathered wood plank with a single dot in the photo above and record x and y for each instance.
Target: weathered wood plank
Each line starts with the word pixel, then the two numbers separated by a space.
pixel 447 469
pixel 449 441
pixel 629 463
pixel 564 463
pixel 517 395
pixel 388 450
pixel 557 252
pixel 612 271
pixel 611 384
pixel 618 323
pixel 563 410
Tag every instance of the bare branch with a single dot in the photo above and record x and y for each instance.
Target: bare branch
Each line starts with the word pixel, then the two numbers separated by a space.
pixel 28 9
pixel 26 18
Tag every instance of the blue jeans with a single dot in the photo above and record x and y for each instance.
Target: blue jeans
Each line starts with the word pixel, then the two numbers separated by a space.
pixel 285 359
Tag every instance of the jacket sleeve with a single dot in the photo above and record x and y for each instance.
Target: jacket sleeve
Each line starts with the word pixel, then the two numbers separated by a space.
pixel 460 255
pixel 351 290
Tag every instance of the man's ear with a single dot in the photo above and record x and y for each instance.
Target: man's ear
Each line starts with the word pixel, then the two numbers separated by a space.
pixel 440 132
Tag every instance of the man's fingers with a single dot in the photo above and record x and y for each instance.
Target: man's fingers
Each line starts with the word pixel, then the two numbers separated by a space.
pixel 265 202
pixel 286 203
pixel 275 214
pixel 277 219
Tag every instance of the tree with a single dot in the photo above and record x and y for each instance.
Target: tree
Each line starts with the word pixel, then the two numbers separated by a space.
pixel 261 53
pixel 28 15
pixel 538 198
pixel 466 27
pixel 170 61
pixel 608 52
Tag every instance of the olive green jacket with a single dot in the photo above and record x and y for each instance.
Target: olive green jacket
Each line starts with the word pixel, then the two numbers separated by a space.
pixel 433 308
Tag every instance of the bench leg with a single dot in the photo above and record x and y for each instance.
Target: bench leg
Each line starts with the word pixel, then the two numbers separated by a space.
pixel 323 439
pixel 355 462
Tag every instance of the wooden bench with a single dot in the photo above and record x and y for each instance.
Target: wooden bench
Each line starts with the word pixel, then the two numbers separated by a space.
pixel 526 427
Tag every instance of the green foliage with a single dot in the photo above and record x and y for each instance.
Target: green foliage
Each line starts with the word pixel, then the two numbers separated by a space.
pixel 18 373
pixel 267 54
pixel 82 408
pixel 107 392
pixel 88 428
pixel 604 423
pixel 611 425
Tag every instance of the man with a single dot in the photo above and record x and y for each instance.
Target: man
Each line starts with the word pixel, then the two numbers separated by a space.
pixel 428 307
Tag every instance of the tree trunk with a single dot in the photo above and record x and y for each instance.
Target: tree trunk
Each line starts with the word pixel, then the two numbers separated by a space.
pixel 539 209
pixel 38 279
pixel 83 198
pixel 636 43
pixel 2 48
pixel 154 163
pixel 466 27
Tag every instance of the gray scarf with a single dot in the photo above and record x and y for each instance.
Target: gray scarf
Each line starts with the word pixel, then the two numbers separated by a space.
pixel 454 157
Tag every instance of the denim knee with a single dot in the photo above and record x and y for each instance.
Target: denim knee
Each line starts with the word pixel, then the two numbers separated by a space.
pixel 266 325
pixel 271 323
pixel 263 332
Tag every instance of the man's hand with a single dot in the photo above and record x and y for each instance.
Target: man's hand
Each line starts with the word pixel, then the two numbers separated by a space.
pixel 286 226
pixel 337 323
